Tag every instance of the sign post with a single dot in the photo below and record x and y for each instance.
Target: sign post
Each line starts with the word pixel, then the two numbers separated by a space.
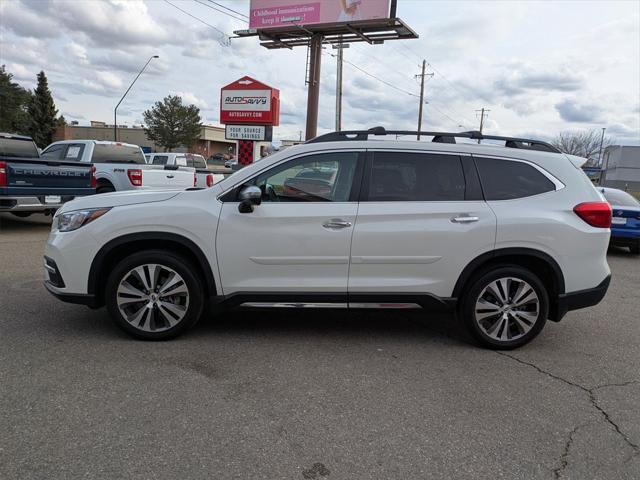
pixel 249 109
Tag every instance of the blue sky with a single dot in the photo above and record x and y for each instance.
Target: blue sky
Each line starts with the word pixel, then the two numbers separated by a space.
pixel 540 67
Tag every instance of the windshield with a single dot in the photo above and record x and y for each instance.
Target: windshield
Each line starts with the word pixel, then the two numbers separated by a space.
pixel 14 147
pixel 620 198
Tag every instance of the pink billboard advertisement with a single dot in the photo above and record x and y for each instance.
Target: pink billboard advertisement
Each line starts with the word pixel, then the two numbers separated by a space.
pixel 282 13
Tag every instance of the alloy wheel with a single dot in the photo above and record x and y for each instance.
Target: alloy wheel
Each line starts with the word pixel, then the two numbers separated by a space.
pixel 507 309
pixel 152 297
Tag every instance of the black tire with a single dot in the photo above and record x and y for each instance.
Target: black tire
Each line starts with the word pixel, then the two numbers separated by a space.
pixel 477 328
pixel 635 249
pixel 105 189
pixel 169 261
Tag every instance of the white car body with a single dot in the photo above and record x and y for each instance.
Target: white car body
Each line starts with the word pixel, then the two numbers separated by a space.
pixel 119 176
pixel 389 253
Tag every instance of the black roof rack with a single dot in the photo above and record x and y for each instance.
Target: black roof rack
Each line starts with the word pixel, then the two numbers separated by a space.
pixel 438 137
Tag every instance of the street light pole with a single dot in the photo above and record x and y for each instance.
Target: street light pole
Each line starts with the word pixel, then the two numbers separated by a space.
pixel 115 110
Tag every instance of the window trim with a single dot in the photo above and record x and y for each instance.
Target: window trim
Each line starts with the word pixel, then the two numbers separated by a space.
pixel 354 196
pixel 364 191
pixel 557 183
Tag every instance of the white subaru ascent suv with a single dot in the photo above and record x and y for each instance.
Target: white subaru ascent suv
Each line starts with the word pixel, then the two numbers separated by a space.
pixel 506 236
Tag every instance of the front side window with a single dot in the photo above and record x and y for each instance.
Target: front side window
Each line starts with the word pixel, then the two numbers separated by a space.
pixel 509 179
pixel 326 177
pixel 54 152
pixel 415 177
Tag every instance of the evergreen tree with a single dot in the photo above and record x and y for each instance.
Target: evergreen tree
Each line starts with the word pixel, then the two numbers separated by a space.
pixel 14 102
pixel 171 124
pixel 42 113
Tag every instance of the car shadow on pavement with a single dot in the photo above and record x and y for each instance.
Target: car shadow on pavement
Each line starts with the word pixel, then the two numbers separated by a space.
pixel 325 323
pixel 11 223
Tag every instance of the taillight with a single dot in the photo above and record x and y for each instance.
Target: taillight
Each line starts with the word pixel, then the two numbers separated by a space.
pixel 195 179
pixel 596 214
pixel 209 180
pixel 135 177
pixel 3 174
pixel 94 182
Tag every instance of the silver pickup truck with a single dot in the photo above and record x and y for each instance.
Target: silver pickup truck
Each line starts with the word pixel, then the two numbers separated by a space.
pixel 121 166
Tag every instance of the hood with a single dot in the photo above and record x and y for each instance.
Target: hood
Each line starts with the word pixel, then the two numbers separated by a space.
pixel 116 199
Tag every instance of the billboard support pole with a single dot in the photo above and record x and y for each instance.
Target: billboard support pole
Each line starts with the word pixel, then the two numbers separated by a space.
pixel 313 93
pixel 339 88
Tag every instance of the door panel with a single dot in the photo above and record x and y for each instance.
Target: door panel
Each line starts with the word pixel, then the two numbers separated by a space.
pixel 419 224
pixel 298 239
pixel 284 247
pixel 401 247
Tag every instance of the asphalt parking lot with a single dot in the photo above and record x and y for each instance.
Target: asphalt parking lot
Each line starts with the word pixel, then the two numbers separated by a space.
pixel 323 396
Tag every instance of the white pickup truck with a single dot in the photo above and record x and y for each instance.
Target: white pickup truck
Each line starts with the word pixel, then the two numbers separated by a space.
pixel 204 177
pixel 120 166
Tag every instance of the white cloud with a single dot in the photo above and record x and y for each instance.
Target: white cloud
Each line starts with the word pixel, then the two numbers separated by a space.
pixel 191 99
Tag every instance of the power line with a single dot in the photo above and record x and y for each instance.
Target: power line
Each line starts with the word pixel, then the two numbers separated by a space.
pixel 378 78
pixel 230 9
pixel 220 11
pixel 225 43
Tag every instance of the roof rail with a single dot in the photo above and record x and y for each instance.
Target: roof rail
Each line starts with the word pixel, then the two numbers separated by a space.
pixel 438 137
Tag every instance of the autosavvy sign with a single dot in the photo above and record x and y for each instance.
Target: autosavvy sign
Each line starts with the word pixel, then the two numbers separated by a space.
pixel 249 101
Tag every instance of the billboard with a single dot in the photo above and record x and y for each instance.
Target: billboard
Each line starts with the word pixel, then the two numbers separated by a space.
pixel 281 13
pixel 249 101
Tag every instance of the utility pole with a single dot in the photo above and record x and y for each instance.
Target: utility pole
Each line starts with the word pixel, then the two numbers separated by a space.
pixel 420 108
pixel 601 142
pixel 340 59
pixel 483 113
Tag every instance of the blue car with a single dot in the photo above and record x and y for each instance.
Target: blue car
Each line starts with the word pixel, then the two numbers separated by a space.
pixel 625 224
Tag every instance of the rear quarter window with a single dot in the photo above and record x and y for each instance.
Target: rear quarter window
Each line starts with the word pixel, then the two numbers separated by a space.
pixel 509 179
pixel 113 153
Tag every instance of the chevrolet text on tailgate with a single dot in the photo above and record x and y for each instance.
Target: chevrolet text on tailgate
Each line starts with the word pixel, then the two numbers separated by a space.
pixel 120 166
pixel 506 236
pixel 31 184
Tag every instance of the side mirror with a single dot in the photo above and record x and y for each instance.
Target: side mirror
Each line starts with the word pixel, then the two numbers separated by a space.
pixel 249 196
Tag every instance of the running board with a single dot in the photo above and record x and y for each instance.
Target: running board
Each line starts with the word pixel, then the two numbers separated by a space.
pixel 329 305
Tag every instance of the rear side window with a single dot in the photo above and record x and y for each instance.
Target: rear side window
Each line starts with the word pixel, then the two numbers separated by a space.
pixel 196 161
pixel 508 179
pixel 160 159
pixel 415 177
pixel 114 153
pixel 74 152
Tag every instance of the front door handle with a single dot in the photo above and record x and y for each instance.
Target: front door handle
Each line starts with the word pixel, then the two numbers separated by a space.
pixel 465 219
pixel 169 176
pixel 336 224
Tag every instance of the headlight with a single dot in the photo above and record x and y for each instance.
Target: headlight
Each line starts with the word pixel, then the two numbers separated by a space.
pixel 67 222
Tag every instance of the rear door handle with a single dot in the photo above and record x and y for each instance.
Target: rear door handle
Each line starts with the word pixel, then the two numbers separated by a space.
pixel 336 224
pixel 464 219
pixel 169 176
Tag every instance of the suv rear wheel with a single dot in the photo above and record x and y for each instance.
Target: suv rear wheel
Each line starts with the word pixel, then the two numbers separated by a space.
pixel 154 295
pixel 505 307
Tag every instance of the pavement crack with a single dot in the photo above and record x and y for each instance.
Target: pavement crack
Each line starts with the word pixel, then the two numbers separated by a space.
pixel 564 457
pixel 591 395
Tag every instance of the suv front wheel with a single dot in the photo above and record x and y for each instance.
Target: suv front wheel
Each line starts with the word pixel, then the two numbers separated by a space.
pixel 154 295
pixel 505 307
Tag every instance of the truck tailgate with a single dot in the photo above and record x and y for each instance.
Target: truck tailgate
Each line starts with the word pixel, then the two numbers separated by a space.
pixel 158 177
pixel 26 176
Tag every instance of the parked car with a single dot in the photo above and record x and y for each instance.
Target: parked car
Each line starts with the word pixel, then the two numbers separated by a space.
pixel 507 237
pixel 120 166
pixel 231 162
pixel 216 159
pixel 31 184
pixel 204 177
pixel 625 224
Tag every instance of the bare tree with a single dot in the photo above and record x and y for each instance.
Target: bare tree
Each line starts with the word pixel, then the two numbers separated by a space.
pixel 584 143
